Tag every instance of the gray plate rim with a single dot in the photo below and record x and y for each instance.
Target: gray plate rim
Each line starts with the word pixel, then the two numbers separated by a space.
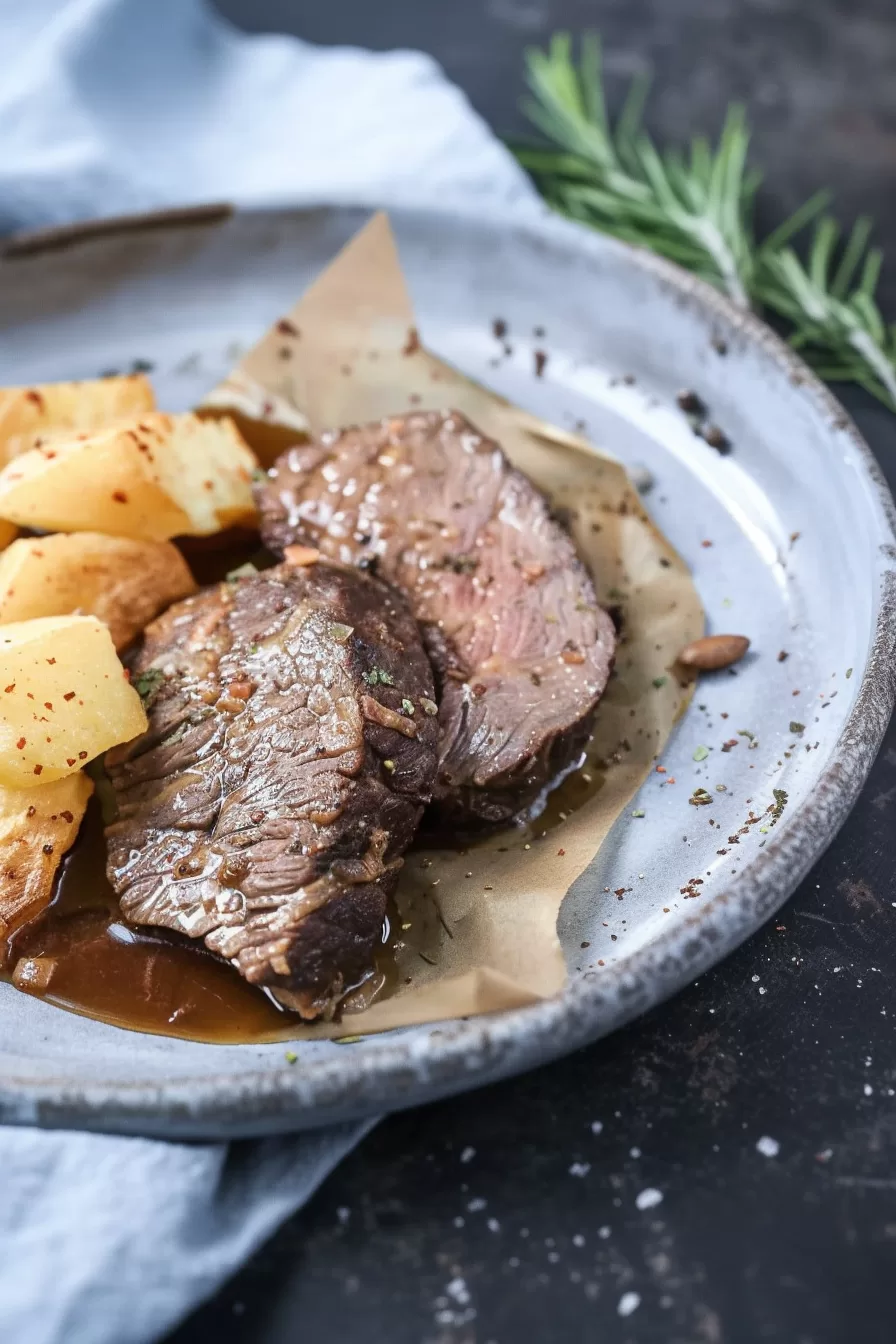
pixel 473 1051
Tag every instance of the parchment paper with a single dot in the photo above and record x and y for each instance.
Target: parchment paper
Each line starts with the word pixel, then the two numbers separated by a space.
pixel 478 927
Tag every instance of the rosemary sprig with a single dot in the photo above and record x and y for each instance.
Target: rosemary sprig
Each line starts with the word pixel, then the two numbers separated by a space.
pixel 698 209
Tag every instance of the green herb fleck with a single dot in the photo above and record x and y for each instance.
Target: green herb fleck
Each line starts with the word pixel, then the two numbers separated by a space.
pixel 378 677
pixel 798 728
pixel 341 633
pixel 253 648
pixel 407 705
pixel 259 474
pixel 246 571
pixel 390 766
pixel 701 753
pixel 778 806
pixel 660 681
pixel 638 812
pixel 848 673
pixel 291 1057
pixel 700 798
pixel 148 684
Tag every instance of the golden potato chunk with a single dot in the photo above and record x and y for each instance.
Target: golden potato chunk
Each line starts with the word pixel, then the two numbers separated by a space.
pixel 152 478
pixel 28 412
pixel 123 582
pixel 64 698
pixel 37 827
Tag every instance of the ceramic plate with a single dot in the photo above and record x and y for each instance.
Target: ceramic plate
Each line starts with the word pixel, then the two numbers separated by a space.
pixel 801 560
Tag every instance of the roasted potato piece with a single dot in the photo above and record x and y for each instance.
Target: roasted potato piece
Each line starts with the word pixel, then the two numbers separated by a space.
pixel 152 478
pixel 28 412
pixel 37 827
pixel 123 582
pixel 64 698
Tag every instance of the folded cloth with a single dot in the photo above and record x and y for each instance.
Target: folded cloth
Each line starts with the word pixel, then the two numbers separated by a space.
pixel 111 1241
pixel 108 106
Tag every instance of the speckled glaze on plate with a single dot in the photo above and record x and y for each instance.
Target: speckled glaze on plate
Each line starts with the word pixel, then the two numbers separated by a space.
pixel 801 559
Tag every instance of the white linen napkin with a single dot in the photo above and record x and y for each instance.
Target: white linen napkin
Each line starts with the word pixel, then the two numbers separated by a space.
pixel 109 106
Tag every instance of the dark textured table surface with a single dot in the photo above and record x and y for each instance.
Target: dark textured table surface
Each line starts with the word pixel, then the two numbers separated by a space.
pixel 760 1104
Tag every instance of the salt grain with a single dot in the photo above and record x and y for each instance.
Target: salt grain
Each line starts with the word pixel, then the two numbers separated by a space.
pixel 648 1199
pixel 628 1303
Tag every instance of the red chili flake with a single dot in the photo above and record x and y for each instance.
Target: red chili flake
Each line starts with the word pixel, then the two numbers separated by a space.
pixel 479 689
pixel 48 704
pixel 783 656
pixel 51 661
pixel 28 695
pixel 10 688
pixel 48 849
pixel 661 769
pixel 69 695
pixel 82 755
pixel 796 692
pixel 70 760
pixel 67 816
pixel 119 496
pixel 412 344
pixel 670 780
pixel 38 769
pixel 287 328
pixel 561 852
pixel 208 485
pixel 600 963
pixel 20 745
pixel 34 396
pixel 126 672
pixel 706 544
pixel 620 891
pixel 240 690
